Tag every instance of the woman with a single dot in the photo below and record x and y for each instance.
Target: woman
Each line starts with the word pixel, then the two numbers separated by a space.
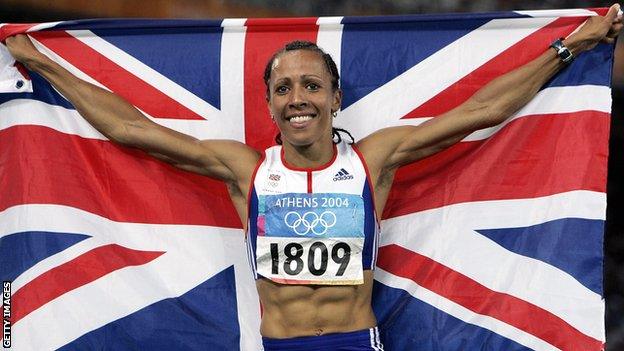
pixel 310 205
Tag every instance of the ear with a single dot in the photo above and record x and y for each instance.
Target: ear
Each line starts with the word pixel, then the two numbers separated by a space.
pixel 337 100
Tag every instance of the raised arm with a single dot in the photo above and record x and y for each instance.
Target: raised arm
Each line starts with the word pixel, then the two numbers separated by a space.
pixel 389 148
pixel 118 120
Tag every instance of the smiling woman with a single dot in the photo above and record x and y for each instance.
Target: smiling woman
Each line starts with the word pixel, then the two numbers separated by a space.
pixel 330 67
pixel 302 97
pixel 311 205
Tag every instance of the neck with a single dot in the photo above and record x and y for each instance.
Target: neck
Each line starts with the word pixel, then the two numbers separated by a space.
pixel 308 156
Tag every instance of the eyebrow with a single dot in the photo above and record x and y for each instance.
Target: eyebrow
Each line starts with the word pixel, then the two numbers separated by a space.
pixel 305 76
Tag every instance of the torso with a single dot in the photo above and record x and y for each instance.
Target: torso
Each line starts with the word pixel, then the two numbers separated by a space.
pixel 300 300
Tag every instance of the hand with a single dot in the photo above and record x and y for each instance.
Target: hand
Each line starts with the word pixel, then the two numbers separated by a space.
pixel 22 49
pixel 596 29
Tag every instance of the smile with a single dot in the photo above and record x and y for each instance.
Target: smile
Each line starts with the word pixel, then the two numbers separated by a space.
pixel 299 119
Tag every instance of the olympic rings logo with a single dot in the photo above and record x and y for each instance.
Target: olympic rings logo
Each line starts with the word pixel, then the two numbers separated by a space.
pixel 310 222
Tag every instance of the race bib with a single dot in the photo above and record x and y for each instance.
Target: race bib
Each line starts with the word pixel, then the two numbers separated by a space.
pixel 311 238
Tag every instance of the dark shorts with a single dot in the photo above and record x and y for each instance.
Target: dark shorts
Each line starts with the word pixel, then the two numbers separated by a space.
pixel 367 339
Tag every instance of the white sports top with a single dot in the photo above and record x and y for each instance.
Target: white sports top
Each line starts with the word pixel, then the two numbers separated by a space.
pixel 312 226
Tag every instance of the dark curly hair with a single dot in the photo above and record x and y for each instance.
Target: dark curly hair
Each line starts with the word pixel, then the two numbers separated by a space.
pixel 331 68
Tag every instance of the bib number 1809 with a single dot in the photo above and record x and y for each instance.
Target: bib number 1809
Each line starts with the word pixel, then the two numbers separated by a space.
pixel 295 261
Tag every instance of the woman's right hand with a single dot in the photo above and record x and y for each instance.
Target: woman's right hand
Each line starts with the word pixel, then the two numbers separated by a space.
pixel 22 49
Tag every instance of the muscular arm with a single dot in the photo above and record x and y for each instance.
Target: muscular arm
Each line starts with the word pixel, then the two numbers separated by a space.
pixel 121 122
pixel 390 148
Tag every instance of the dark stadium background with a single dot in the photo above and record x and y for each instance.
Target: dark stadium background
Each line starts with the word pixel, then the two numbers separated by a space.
pixel 47 10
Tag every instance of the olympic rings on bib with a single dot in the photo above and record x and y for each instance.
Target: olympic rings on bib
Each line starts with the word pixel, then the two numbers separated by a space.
pixel 310 221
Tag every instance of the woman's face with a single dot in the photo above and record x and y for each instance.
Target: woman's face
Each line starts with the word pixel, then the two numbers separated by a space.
pixel 301 98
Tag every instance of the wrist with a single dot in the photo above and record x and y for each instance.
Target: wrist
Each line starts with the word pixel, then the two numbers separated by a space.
pixel 563 52
pixel 574 45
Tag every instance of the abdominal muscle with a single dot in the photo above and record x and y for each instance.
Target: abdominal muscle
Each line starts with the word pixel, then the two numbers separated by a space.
pixel 306 310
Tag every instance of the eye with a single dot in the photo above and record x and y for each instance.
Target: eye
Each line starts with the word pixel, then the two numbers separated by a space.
pixel 312 86
pixel 281 89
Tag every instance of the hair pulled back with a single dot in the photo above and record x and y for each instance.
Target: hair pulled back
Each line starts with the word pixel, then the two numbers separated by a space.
pixel 304 45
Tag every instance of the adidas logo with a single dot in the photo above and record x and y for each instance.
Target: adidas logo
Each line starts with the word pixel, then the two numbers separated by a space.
pixel 342 175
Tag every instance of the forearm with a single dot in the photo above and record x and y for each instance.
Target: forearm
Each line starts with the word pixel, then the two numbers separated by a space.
pixel 108 113
pixel 507 94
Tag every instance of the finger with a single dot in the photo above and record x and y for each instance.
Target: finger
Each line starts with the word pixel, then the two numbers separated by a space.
pixel 612 13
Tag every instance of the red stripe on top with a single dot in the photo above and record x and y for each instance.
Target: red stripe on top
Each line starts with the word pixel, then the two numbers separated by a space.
pixel 12 29
pixel 530 157
pixel 263 38
pixel 515 56
pixel 252 185
pixel 39 165
pixel 73 274
pixel 123 83
pixel 470 294
pixel 309 177
pixel 369 182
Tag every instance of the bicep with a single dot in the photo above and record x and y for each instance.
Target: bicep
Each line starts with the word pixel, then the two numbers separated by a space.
pixel 393 147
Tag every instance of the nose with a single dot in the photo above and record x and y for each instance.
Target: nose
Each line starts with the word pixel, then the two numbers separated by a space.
pixel 298 98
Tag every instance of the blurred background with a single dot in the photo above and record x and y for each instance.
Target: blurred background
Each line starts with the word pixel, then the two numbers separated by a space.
pixel 48 10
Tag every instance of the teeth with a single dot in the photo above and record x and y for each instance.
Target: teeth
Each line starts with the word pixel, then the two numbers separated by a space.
pixel 300 119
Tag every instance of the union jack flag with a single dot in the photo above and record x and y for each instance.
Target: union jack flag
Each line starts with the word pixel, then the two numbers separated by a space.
pixel 493 244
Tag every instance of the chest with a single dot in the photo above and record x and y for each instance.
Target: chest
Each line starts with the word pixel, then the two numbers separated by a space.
pixel 311 225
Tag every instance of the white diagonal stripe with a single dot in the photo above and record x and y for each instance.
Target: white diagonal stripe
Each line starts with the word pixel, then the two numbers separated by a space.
pixel 230 120
pixel 448 235
pixel 461 312
pixel 387 104
pixel 65 64
pixel 147 74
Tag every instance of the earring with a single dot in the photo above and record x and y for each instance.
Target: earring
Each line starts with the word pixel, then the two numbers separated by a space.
pixel 334 114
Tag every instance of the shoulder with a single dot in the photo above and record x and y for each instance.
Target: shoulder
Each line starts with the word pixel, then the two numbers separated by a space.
pixel 378 147
pixel 240 159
